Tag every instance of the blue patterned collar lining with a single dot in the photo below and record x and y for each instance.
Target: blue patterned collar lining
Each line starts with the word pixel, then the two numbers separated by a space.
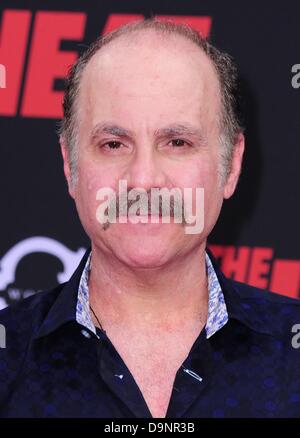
pixel 217 311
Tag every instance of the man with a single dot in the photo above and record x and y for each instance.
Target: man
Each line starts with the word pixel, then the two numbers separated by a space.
pixel 148 325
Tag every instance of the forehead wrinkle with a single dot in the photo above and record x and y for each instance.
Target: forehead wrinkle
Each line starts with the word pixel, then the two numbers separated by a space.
pixel 140 48
pixel 175 129
pixel 109 128
pixel 107 55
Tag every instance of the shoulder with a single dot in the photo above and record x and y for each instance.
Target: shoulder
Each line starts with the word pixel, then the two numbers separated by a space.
pixel 279 311
pixel 18 324
pixel 251 292
pixel 28 314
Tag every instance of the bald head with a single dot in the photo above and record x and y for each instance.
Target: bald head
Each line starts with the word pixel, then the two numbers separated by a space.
pixel 153 73
pixel 145 59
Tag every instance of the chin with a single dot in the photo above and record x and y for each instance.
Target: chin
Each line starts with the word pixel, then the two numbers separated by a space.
pixel 143 259
pixel 143 254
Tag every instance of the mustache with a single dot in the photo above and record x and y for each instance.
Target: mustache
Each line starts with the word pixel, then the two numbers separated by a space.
pixel 146 202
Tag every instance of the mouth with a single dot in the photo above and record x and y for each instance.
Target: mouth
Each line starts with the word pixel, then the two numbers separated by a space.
pixel 141 219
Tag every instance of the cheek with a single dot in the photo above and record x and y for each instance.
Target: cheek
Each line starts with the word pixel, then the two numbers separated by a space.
pixel 91 178
pixel 203 173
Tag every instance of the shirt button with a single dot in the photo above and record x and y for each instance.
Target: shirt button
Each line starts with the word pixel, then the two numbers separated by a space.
pixel 86 333
pixel 192 374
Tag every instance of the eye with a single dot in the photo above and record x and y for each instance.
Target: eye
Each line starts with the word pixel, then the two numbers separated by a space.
pixel 178 142
pixel 112 145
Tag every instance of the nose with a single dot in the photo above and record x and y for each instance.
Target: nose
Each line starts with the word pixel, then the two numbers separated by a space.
pixel 145 170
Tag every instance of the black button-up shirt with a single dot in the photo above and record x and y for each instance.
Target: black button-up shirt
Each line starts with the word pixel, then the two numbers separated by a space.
pixel 53 367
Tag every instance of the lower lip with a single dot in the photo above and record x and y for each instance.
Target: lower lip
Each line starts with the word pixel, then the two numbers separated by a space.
pixel 144 219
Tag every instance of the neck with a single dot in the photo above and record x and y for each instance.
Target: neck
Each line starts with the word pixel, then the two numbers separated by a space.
pixel 169 297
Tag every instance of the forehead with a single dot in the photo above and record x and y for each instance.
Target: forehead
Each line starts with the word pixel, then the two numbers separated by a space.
pixel 146 67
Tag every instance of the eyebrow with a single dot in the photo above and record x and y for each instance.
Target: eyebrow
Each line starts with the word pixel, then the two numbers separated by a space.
pixel 173 130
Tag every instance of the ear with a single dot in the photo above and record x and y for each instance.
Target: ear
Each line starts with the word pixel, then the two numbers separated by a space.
pixel 236 166
pixel 67 171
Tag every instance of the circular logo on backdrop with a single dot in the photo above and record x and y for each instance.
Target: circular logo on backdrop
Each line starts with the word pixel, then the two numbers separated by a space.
pixel 23 272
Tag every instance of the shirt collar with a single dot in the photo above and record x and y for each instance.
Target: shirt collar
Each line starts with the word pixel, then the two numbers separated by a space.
pixel 63 310
pixel 223 292
pixel 245 304
pixel 217 311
